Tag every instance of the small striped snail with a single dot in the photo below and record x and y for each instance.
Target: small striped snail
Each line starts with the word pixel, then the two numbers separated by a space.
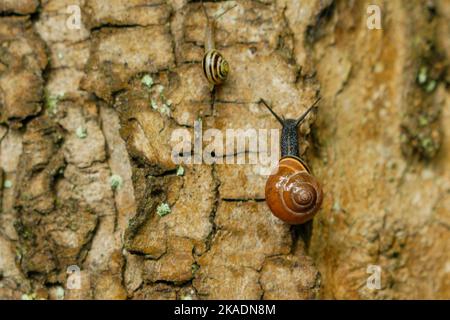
pixel 215 67
pixel 292 193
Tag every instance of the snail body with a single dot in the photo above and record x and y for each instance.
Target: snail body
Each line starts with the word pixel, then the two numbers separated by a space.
pixel 215 66
pixel 292 193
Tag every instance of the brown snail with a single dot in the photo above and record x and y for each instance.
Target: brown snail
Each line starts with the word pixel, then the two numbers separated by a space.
pixel 293 194
pixel 215 67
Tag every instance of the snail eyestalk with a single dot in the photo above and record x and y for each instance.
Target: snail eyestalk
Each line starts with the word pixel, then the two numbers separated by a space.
pixel 204 10
pixel 221 14
pixel 303 116
pixel 210 28
pixel 280 120
pixel 289 133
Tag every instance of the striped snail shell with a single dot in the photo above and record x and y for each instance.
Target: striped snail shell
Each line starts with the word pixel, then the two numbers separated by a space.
pixel 292 193
pixel 215 67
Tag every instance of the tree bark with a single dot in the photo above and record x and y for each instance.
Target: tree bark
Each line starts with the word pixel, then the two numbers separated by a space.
pixel 87 176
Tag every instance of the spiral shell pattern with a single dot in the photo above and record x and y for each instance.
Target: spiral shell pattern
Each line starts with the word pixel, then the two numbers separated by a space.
pixel 292 193
pixel 215 67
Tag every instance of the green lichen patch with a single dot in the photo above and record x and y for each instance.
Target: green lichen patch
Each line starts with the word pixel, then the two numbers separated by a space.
pixel 431 86
pixel 195 268
pixel 165 110
pixel 428 76
pixel 425 143
pixel 7 184
pixel 81 132
pixel 158 100
pixel 60 293
pixel 422 75
pixel 154 104
pixel 147 81
pixel 24 231
pixel 51 102
pixel 336 206
pixel 28 296
pixel 423 121
pixel 163 210
pixel 180 171
pixel 116 182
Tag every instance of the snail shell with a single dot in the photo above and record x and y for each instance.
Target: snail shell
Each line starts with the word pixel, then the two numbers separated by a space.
pixel 292 193
pixel 215 67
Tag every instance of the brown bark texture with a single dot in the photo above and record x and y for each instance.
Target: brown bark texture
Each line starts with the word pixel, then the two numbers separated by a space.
pixel 87 179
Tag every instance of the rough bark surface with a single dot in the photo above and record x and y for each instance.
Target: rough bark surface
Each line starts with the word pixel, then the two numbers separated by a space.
pixel 86 118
